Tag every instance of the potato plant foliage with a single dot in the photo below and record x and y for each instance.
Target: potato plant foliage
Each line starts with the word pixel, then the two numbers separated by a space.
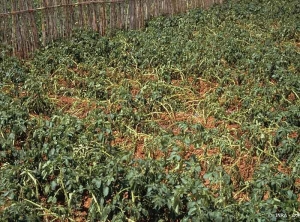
pixel 194 118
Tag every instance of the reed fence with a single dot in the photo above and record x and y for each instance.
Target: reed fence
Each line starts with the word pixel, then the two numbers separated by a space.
pixel 26 25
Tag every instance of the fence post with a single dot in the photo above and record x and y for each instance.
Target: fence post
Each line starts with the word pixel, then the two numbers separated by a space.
pixel 132 14
pixel 112 21
pixel 33 26
pixel 69 18
pixel 14 27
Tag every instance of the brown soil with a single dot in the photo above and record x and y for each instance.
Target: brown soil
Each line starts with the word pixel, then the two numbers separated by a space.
pixel 291 97
pixel 74 106
pixel 206 87
pixel 293 135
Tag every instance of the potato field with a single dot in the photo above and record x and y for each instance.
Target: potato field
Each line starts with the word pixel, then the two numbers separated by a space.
pixel 194 118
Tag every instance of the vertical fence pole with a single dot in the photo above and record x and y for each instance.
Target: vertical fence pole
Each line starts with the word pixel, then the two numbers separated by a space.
pixel 112 15
pixel 14 27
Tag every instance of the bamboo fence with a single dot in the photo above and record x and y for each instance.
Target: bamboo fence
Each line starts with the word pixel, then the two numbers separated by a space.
pixel 26 25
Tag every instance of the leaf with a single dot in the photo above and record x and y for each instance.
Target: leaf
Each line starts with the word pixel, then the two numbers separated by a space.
pixel 105 191
pixel 191 211
pixel 52 199
pixel 97 182
pixel 47 189
pixel 11 136
pixel 53 185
